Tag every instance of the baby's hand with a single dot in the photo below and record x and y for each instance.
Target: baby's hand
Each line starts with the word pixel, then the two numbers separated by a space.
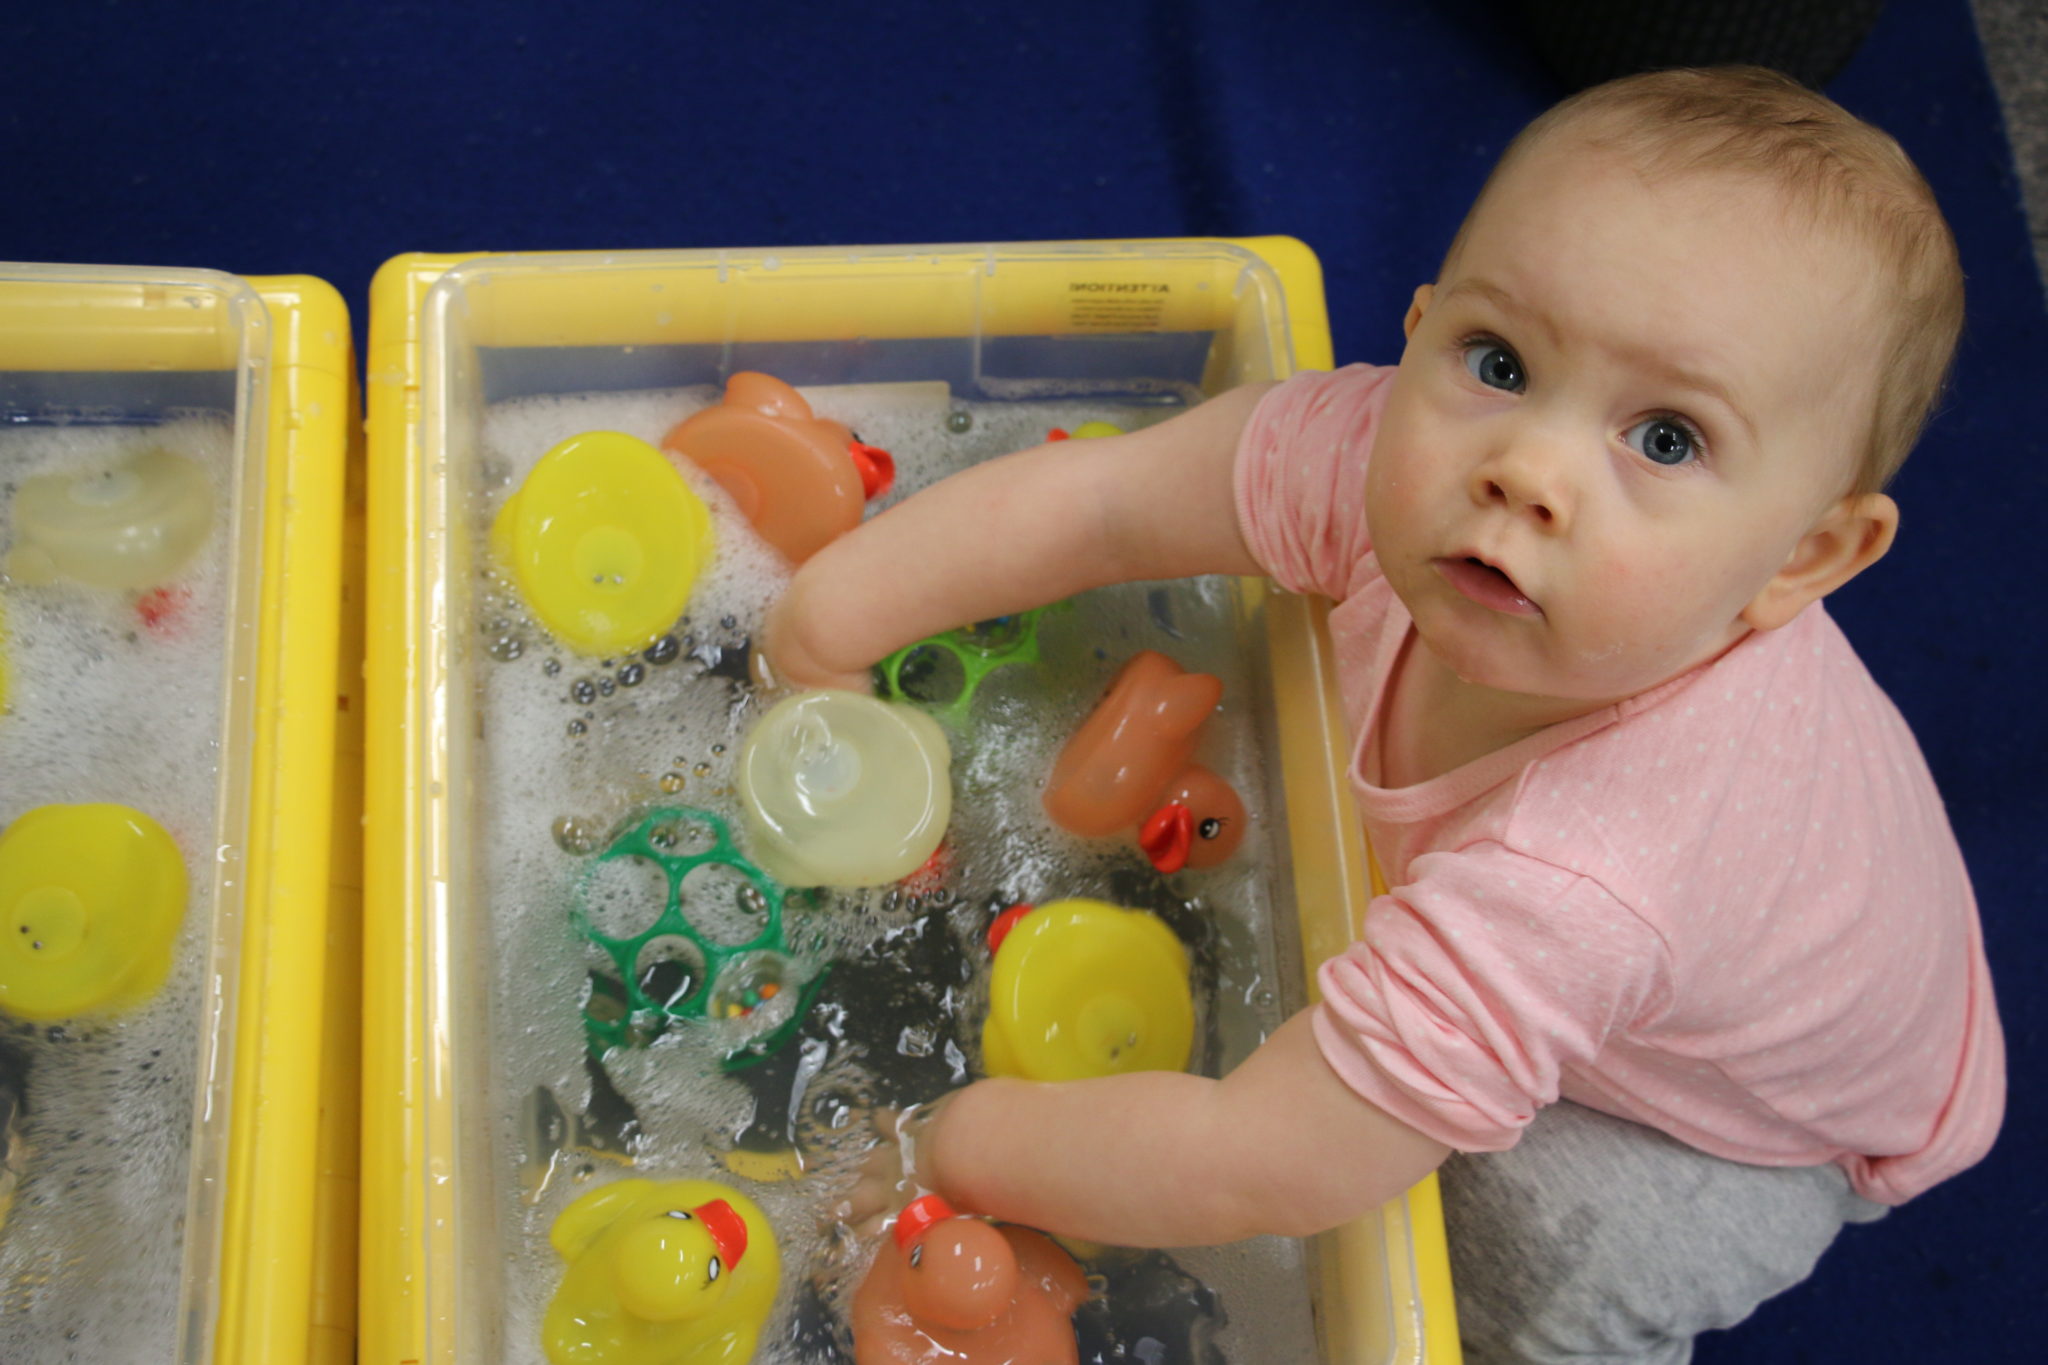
pixel 785 658
pixel 888 1177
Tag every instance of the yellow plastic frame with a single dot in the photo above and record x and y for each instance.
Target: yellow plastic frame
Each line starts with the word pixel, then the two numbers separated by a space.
pixel 296 955
pixel 1385 1294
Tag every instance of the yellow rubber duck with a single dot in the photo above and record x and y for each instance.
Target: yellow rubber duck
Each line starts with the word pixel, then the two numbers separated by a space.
pixel 90 900
pixel 1083 988
pixel 661 1273
pixel 605 541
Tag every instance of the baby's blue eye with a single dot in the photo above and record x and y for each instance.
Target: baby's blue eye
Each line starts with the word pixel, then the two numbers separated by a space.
pixel 1495 366
pixel 1663 440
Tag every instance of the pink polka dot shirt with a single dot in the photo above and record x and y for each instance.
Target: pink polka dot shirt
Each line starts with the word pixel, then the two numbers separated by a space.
pixel 1730 908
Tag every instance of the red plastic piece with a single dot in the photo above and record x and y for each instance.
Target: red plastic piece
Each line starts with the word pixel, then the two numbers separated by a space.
pixel 999 929
pixel 930 874
pixel 160 608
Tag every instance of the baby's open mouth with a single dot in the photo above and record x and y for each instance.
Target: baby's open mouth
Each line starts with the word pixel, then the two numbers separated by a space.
pixel 1487 585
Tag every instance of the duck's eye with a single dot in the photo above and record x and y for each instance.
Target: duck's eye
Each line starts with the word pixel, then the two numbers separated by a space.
pixel 917 1256
pixel 711 1271
pixel 679 1213
pixel 1210 827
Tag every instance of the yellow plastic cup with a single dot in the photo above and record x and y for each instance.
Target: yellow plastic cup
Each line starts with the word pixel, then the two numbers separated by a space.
pixel 1082 988
pixel 90 900
pixel 605 542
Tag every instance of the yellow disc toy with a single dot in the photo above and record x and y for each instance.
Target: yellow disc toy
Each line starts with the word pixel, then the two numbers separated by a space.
pixel 605 541
pixel 1082 988
pixel 90 900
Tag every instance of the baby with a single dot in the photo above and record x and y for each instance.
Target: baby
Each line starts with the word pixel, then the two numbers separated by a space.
pixel 1680 967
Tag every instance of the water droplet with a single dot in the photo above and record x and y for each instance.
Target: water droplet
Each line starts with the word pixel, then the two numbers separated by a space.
pixel 718 748
pixel 702 770
pixel 664 650
pixel 606 687
pixel 577 727
pixel 959 420
pixel 631 674
pixel 671 783
pixel 583 691
pixel 551 667
pixel 729 622
pixel 506 648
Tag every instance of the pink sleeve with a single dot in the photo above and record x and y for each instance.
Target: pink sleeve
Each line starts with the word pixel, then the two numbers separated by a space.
pixel 1477 984
pixel 1301 477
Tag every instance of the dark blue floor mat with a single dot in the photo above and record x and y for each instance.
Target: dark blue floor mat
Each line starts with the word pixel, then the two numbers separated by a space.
pixel 279 139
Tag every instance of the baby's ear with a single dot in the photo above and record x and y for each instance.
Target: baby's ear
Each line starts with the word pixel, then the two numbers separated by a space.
pixel 1417 306
pixel 1848 538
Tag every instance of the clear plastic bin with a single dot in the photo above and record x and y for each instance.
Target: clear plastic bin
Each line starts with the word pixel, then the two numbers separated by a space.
pixel 170 1213
pixel 453 336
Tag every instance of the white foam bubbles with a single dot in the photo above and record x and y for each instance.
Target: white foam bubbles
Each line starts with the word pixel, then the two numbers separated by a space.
pixel 115 696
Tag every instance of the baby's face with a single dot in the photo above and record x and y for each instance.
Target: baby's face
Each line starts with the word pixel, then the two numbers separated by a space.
pixel 1619 410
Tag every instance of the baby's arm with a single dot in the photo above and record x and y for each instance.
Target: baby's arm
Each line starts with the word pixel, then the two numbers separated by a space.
pixel 1162 1158
pixel 1019 532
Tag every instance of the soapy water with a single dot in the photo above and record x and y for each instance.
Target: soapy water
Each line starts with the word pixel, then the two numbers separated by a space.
pixel 570 751
pixel 114 695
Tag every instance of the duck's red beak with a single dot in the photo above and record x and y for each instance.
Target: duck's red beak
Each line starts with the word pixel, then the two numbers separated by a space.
pixel 728 1230
pixel 918 1216
pixel 1167 836
pixel 877 468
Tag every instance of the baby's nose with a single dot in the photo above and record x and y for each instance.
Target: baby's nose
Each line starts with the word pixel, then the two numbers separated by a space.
pixel 1526 475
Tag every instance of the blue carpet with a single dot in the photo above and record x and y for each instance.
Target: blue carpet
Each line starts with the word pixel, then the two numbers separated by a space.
pixel 271 140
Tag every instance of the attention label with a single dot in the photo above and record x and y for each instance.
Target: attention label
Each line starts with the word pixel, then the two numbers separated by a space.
pixel 1116 306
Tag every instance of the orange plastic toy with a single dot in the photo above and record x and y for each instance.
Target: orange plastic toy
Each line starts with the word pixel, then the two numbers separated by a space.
pixel 1130 764
pixel 965 1291
pixel 800 479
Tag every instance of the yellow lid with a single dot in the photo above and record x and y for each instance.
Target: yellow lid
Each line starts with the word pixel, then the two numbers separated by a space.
pixel 1083 988
pixel 605 541
pixel 90 899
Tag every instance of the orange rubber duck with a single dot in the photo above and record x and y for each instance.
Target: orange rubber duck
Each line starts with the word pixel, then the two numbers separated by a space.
pixel 1130 764
pixel 965 1291
pixel 802 480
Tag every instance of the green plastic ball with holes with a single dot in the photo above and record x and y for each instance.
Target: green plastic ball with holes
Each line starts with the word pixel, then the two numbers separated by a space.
pixel 977 650
pixel 729 976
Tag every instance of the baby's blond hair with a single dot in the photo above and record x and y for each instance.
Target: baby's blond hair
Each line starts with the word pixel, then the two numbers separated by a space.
pixel 1848 174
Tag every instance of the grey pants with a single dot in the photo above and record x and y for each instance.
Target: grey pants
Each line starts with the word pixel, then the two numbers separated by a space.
pixel 1596 1239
